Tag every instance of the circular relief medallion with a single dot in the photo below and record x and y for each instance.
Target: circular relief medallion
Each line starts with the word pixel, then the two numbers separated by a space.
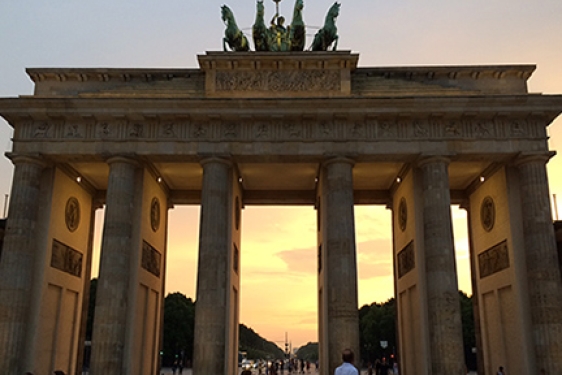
pixel 72 214
pixel 237 213
pixel 403 214
pixel 488 213
pixel 155 214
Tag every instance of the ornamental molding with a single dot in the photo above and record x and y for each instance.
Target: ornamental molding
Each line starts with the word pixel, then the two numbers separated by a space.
pixel 283 129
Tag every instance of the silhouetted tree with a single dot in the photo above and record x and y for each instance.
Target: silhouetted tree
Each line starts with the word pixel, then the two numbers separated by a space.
pixel 377 323
pixel 91 309
pixel 179 322
pixel 256 347
pixel 308 352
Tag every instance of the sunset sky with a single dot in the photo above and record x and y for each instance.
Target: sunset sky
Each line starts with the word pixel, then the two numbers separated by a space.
pixel 278 253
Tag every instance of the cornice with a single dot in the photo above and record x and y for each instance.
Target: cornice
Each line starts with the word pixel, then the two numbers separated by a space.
pixel 523 71
pixel 108 74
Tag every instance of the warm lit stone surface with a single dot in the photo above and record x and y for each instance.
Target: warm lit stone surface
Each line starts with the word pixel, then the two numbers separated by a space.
pixel 543 273
pixel 278 119
pixel 108 349
pixel 339 306
pixel 444 318
pixel 213 278
pixel 16 266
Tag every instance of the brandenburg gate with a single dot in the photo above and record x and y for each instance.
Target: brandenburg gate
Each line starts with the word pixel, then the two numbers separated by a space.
pixel 279 128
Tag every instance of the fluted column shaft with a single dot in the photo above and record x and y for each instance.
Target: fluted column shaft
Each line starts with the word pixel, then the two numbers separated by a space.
pixel 108 341
pixel 444 318
pixel 211 314
pixel 543 274
pixel 341 260
pixel 17 263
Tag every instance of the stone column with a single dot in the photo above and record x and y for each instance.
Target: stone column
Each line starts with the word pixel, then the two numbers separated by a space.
pixel 444 317
pixel 213 283
pixel 17 263
pixel 340 288
pixel 543 274
pixel 110 322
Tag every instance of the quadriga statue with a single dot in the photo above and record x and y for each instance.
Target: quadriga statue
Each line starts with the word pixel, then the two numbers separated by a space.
pixel 278 37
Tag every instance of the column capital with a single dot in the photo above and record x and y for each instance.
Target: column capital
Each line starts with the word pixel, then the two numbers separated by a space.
pixel 27 159
pixel 537 157
pixel 338 159
pixel 429 159
pixel 216 159
pixel 123 159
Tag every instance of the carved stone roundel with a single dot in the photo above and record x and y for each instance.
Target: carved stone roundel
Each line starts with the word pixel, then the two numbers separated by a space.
pixel 403 214
pixel 488 214
pixel 155 214
pixel 72 214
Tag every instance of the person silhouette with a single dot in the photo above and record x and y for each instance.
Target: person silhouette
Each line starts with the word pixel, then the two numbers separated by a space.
pixel 347 367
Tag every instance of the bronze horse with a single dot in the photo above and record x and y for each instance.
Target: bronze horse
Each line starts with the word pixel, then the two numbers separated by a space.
pixel 259 30
pixel 329 33
pixel 233 36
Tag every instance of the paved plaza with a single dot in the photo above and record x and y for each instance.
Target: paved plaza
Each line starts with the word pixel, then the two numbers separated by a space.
pixel 168 371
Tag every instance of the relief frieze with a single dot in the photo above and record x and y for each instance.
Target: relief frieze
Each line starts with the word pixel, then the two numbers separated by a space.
pixel 387 129
pixel 493 260
pixel 293 129
pixel 406 260
pixel 106 130
pixel 421 129
pixel 66 259
pixel 231 130
pixel 151 259
pixel 483 129
pixel 43 130
pixel 518 129
pixel 453 129
pixel 301 80
pixel 168 130
pixel 137 130
pixel 74 130
pixel 262 131
pixel 357 130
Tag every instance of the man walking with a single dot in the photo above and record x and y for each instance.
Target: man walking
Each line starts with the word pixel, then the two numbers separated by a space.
pixel 347 367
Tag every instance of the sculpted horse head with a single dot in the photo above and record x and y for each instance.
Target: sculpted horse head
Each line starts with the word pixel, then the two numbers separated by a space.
pixel 334 11
pixel 227 15
pixel 260 9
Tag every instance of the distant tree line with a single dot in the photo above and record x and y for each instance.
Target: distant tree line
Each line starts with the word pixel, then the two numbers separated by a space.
pixel 308 352
pixel 377 322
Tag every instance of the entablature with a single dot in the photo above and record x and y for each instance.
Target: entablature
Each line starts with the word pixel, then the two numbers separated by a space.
pixel 281 75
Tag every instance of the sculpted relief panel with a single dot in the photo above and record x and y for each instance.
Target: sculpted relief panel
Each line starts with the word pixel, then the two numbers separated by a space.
pixel 250 129
pixel 278 80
